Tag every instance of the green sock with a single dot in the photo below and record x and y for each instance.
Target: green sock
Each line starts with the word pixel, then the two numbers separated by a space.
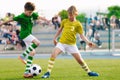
pixel 29 49
pixel 29 63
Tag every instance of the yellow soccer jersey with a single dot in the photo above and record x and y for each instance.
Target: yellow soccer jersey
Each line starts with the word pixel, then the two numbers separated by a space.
pixel 70 29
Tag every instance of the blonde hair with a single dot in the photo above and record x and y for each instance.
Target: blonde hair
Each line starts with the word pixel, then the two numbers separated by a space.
pixel 72 10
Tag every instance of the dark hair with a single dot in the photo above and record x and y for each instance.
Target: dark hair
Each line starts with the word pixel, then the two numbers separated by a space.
pixel 29 6
pixel 9 14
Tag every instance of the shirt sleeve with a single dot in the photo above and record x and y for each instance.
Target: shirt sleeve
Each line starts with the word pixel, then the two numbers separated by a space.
pixel 35 16
pixel 16 18
pixel 80 28
pixel 62 23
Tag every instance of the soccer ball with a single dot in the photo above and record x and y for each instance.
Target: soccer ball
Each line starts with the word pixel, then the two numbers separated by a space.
pixel 35 70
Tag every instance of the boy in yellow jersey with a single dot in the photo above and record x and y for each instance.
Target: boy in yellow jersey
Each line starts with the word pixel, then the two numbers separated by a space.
pixel 67 42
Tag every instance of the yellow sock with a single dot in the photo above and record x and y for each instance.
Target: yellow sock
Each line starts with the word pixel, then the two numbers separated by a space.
pixel 85 67
pixel 50 64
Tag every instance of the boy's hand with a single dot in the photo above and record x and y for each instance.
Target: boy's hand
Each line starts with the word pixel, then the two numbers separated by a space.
pixel 55 42
pixel 91 45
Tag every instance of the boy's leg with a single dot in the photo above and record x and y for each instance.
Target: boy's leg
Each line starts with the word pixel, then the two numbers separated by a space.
pixel 75 53
pixel 84 65
pixel 28 64
pixel 49 69
pixel 81 62
pixel 51 62
pixel 28 40
pixel 29 49
pixel 26 52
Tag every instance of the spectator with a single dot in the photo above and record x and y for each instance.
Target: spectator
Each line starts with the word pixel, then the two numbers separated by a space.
pixel 91 31
pixel 56 22
pixel 106 23
pixel 97 39
pixel 112 22
pixel 117 22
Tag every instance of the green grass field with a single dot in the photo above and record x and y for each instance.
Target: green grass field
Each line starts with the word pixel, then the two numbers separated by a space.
pixel 64 69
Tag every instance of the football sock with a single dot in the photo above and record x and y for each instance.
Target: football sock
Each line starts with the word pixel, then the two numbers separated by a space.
pixel 85 67
pixel 29 63
pixel 50 64
pixel 29 49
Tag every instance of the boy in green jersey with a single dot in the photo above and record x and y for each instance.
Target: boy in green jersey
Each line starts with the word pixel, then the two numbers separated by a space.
pixel 26 20
pixel 67 42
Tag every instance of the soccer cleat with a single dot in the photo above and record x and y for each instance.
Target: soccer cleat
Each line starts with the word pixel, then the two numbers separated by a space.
pixel 46 75
pixel 93 74
pixel 28 75
pixel 22 59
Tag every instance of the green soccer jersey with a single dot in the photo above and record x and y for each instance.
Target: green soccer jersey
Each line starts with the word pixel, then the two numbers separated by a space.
pixel 26 23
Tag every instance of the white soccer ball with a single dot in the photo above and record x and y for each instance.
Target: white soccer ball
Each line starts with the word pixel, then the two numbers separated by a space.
pixel 35 70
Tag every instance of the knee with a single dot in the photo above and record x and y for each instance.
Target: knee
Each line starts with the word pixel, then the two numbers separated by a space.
pixel 32 53
pixel 37 43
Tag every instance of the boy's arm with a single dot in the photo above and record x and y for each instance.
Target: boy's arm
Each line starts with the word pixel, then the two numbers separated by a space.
pixel 6 22
pixel 83 37
pixel 56 35
pixel 44 19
